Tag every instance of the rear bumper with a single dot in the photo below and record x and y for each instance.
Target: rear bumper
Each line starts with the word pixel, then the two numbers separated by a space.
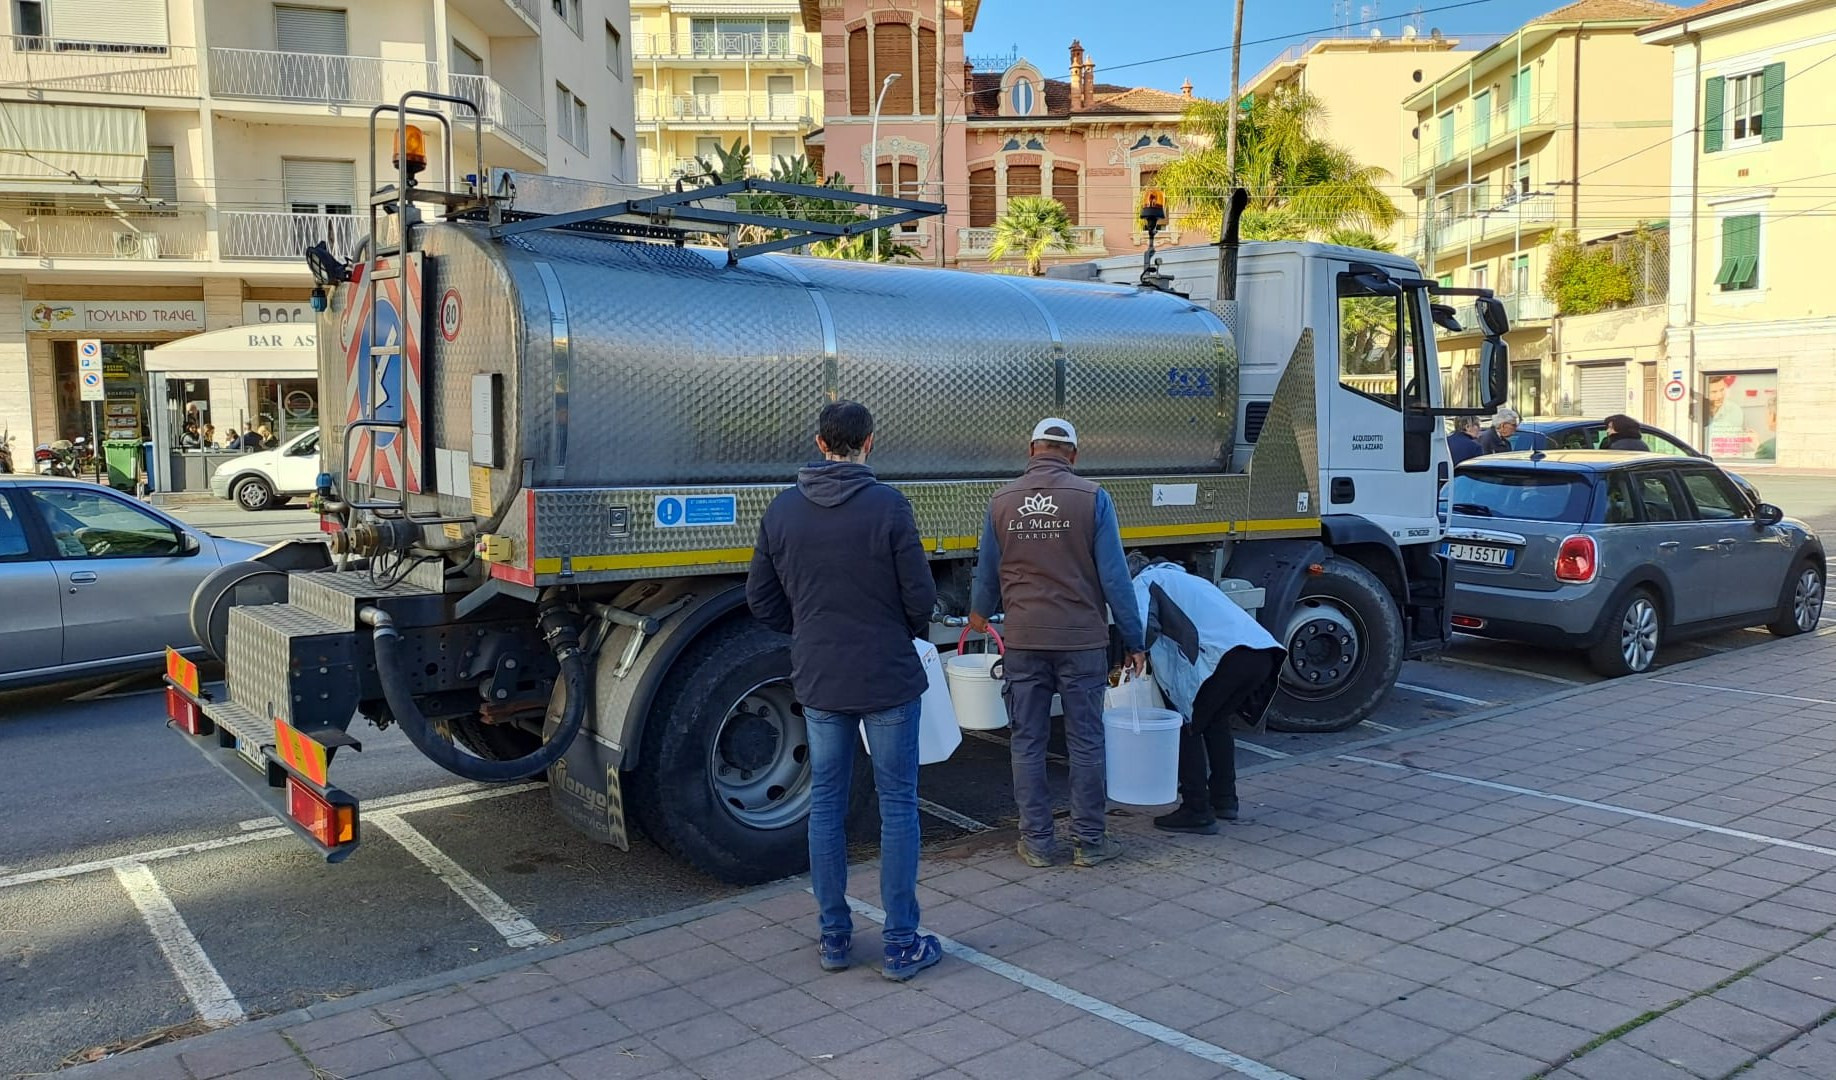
pixel 1564 617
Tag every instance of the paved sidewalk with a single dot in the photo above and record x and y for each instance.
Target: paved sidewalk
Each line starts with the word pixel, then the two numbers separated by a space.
pixel 1630 881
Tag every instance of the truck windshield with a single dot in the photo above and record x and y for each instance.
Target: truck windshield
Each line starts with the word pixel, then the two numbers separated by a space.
pixel 1380 342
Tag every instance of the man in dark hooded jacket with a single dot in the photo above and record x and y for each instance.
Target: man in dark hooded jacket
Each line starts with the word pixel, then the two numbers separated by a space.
pixel 839 567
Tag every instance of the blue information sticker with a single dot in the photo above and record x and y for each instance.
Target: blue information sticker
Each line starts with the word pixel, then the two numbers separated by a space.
pixel 676 511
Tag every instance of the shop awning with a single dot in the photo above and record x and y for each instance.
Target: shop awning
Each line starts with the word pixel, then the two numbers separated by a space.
pixel 249 351
pixel 69 148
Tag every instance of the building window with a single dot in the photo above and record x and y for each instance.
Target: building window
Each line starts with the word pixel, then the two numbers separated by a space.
pixel 1064 189
pixel 1520 274
pixel 1746 116
pixel 1517 181
pixel 781 97
pixel 615 51
pixel 707 148
pixel 981 198
pixel 1444 126
pixel 618 154
pixel 1023 181
pixel 739 37
pixel 465 61
pixel 1744 109
pixel 892 47
pixel 783 149
pixel 1479 276
pixel 1739 253
pixel 318 187
pixel 1021 97
pixel 161 174
pixel 569 10
pixel 570 117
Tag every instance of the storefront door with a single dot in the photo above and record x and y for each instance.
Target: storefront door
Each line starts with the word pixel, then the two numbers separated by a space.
pixel 122 414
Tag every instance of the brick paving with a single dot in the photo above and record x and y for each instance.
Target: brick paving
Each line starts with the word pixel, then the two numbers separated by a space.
pixel 1632 880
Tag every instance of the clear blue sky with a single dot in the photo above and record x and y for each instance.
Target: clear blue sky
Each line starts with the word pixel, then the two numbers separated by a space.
pixel 1122 33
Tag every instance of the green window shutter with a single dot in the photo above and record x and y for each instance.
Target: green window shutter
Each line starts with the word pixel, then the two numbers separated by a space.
pixel 1739 252
pixel 1713 108
pixel 1772 83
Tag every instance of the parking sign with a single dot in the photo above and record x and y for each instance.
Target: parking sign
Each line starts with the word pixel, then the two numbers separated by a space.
pixel 89 370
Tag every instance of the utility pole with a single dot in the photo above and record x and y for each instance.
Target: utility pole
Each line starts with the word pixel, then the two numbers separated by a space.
pixel 1236 70
pixel 937 154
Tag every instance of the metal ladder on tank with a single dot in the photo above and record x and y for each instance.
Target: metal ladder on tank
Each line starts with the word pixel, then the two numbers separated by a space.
pixel 398 201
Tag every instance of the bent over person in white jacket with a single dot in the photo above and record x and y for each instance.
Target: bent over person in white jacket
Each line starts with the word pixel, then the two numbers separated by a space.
pixel 1215 663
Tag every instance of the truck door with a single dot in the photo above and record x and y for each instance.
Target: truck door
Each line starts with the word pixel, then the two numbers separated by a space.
pixel 1380 453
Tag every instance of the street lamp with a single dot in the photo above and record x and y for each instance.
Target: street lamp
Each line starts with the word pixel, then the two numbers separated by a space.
pixel 873 158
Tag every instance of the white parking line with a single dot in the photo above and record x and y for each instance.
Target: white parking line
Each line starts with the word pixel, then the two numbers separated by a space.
pixel 1097 1007
pixel 1483 666
pixel 209 994
pixel 1448 694
pixel 517 931
pixel 944 813
pixel 1750 693
pixel 1258 749
pixel 411 802
pixel 1374 725
pixel 1703 826
pixel 991 737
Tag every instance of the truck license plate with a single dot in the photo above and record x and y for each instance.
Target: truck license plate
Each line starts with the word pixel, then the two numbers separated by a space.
pixel 251 753
pixel 1483 554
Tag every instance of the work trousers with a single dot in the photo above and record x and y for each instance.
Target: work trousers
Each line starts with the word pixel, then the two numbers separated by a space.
pixel 1079 678
pixel 1207 745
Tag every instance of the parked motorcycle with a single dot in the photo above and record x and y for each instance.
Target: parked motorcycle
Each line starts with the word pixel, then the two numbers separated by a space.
pixel 58 458
pixel 6 450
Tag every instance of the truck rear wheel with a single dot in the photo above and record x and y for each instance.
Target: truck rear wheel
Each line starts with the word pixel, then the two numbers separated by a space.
pixel 1345 648
pixel 724 781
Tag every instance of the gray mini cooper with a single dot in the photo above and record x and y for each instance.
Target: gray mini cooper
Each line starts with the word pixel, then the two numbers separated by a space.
pixel 1615 553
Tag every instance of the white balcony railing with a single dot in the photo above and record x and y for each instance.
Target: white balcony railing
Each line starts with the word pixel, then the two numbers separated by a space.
pixel 1477 136
pixel 103 233
pixel 1528 307
pixel 979 241
pixel 317 78
pixel 1513 217
pixel 736 107
pixel 266 234
pixel 531 9
pixel 503 110
pixel 711 46
pixel 98 67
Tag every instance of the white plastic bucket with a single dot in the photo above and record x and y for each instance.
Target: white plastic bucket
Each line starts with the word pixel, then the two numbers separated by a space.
pixel 975 690
pixel 938 736
pixel 1141 755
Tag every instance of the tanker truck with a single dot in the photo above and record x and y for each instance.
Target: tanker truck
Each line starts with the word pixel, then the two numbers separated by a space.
pixel 551 425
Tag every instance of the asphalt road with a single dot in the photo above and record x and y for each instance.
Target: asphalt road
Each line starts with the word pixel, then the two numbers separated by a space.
pixel 138 890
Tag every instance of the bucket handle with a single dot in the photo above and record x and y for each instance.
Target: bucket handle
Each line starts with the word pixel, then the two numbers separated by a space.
pixel 962 639
pixel 1134 700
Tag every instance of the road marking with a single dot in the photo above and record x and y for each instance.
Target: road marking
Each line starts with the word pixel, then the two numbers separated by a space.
pixel 413 802
pixel 209 994
pixel 1097 1007
pixel 1750 693
pixel 517 931
pixel 1483 666
pixel 944 813
pixel 1385 728
pixel 1687 823
pixel 990 737
pixel 1448 694
pixel 1254 748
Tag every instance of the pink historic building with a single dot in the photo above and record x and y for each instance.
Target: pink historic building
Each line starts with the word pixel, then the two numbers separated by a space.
pixel 1011 132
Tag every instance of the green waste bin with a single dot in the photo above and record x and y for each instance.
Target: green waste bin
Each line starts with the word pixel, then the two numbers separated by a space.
pixel 123 457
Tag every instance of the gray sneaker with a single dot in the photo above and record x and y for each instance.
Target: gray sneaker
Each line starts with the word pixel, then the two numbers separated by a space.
pixel 1092 852
pixel 1030 857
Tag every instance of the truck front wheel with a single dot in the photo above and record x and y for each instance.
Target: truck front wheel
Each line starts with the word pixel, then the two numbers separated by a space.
pixel 724 781
pixel 1345 647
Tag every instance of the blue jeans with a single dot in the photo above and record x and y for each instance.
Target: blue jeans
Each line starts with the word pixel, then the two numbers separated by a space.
pixel 892 735
pixel 1079 678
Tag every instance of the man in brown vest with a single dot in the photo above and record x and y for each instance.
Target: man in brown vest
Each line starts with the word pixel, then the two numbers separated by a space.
pixel 1051 556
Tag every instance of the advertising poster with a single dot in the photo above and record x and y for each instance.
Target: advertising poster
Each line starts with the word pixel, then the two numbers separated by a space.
pixel 1741 416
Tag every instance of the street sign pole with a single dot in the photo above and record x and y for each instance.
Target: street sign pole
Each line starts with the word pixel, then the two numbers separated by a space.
pixel 91 387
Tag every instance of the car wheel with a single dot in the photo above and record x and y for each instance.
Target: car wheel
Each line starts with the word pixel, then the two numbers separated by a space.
pixel 253 494
pixel 1345 643
pixel 1629 644
pixel 1801 604
pixel 725 783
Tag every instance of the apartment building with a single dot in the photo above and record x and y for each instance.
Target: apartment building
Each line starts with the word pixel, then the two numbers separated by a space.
pixel 167 161
pixel 1525 139
pixel 712 72
pixel 1751 355
pixel 1359 81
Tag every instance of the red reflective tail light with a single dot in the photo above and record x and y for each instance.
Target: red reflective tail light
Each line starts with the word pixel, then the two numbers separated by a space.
pixel 1467 622
pixel 185 714
pixel 1577 560
pixel 330 824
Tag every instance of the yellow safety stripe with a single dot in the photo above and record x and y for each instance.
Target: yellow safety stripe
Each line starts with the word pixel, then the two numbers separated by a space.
pixel 736 556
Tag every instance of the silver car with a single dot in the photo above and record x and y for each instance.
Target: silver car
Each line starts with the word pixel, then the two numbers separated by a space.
pixel 1616 553
pixel 93 582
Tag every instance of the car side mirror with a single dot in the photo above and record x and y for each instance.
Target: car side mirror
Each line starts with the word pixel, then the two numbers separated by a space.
pixel 1766 515
pixel 189 544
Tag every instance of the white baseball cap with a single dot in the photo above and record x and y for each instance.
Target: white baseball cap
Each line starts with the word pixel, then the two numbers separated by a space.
pixel 1052 429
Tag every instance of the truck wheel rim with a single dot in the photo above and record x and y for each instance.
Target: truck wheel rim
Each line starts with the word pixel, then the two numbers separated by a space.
pixel 759 760
pixel 1807 600
pixel 1325 649
pixel 1638 635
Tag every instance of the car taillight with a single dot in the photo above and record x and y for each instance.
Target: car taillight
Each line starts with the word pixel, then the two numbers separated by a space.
pixel 1467 622
pixel 41 454
pixel 185 714
pixel 330 824
pixel 1577 560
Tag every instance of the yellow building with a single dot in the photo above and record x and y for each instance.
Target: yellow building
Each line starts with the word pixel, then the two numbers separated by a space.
pixel 1752 338
pixel 1526 139
pixel 713 71
pixel 1359 80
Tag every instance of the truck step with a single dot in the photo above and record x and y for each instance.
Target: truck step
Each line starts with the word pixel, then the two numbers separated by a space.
pixel 249 728
pixel 282 655
pixel 338 597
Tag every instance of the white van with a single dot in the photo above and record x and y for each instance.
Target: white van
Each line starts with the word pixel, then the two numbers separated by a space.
pixel 268 478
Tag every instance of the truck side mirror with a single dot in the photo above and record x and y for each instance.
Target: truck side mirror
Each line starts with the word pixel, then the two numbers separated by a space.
pixel 1494 373
pixel 1492 316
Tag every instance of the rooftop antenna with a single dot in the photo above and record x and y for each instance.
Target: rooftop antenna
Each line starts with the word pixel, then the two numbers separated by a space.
pixel 1415 18
pixel 1342 16
pixel 1371 14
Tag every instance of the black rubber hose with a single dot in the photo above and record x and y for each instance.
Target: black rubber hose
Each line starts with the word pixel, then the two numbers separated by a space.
pixel 563 639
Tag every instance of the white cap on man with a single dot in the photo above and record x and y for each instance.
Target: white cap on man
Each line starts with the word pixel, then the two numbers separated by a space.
pixel 1052 429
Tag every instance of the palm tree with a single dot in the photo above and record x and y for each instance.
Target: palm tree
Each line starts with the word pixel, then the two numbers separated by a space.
pixel 1300 185
pixel 1031 227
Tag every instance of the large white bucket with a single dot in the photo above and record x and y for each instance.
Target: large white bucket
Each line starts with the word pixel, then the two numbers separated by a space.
pixel 938 736
pixel 1141 755
pixel 975 690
